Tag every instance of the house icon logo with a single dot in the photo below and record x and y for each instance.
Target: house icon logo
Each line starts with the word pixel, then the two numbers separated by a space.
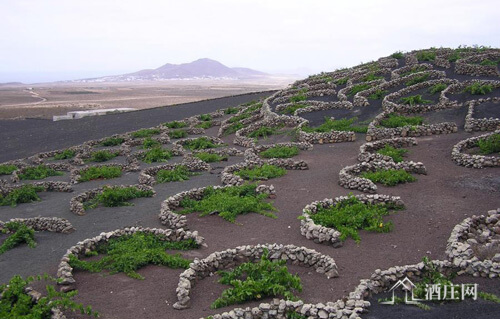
pixel 407 286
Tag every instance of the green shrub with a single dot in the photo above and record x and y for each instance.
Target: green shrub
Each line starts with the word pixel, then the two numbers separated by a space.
pixel 489 145
pixel 233 128
pixel 371 77
pixel 393 121
pixel 426 56
pixel 395 153
pixel 7 169
pixel 414 69
pixel 397 55
pixel 488 62
pixel 263 172
pixel 454 56
pixel 418 79
pixel 231 110
pixel 205 125
pixel 337 125
pixel 292 108
pixel 150 143
pixel 16 303
pixel 265 131
pixel 414 100
pixel 112 141
pixel 252 108
pixel 178 134
pixel 205 117
pixel 280 152
pixel 116 196
pixel 39 172
pixel 350 215
pixel 358 88
pixel 24 194
pixel 131 252
pixel 240 117
pixel 19 233
pixel 211 158
pixel 389 177
pixel 298 97
pixel 102 156
pixel 478 89
pixel 378 94
pixel 489 297
pixel 254 281
pixel 200 143
pixel 175 124
pixel 437 88
pixel 147 132
pixel 155 155
pixel 342 81
pixel 178 174
pixel 66 154
pixel 229 202
pixel 101 172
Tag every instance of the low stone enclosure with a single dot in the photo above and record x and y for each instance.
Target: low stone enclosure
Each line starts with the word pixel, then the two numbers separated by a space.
pixel 65 271
pixel 51 224
pixel 48 186
pixel 172 220
pixel 76 173
pixel 460 157
pixel 76 204
pixel 15 177
pixel 481 124
pixel 230 258
pixel 368 151
pixel 330 236
pixel 471 65
pixel 193 164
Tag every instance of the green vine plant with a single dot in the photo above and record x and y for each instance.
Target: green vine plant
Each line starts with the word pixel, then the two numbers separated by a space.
pixel 20 233
pixel 254 281
pixel 15 303
pixel 21 195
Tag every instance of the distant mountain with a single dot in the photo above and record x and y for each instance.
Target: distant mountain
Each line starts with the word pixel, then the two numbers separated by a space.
pixel 199 69
pixel 11 83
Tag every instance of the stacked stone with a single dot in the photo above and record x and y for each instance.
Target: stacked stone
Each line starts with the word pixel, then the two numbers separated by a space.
pixel 76 173
pixel 459 87
pixel 51 224
pixel 76 204
pixel 230 151
pixel 172 220
pixel 396 74
pixel 476 161
pixel 388 62
pixel 484 231
pixel 270 120
pixel 93 143
pixel 212 139
pixel 193 164
pixel 411 59
pixel 379 72
pixel 368 151
pixel 348 175
pixel 300 145
pixel 342 95
pixel 40 157
pixel 307 94
pixel 85 154
pixel 55 166
pixel 326 137
pixel 65 271
pixel 471 65
pixel 484 124
pixel 177 150
pixel 230 258
pixel 48 186
pixel 330 236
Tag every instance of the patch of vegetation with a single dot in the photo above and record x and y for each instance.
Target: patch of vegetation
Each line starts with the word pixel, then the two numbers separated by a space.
pixel 254 281
pixel 240 117
pixel 414 69
pixel 263 172
pixel 112 141
pixel 102 156
pixel 7 169
pixel 292 108
pixel 255 106
pixel 205 125
pixel 389 177
pixel 66 154
pixel 129 253
pixel 426 56
pixel 16 303
pixel 397 55
pixel 437 88
pixel 116 196
pixel 280 152
pixel 414 100
pixel 393 121
pixel 150 143
pixel 488 62
pixel 378 94
pixel 478 89
pixel 231 110
pixel 211 158
pixel 371 77
pixel 24 194
pixel 155 155
pixel 200 143
pixel 266 131
pixel 488 297
pixel 395 153
pixel 358 88
pixel 337 125
pixel 418 79
pixel 298 97
pixel 101 172
pixel 205 117
pixel 453 57
pixel 233 128
pixel 20 233
pixel 175 124
pixel 178 174
pixel 342 81
pixel 350 215
pixel 489 145
pixel 147 132
pixel 39 172
pixel 229 202
pixel 178 134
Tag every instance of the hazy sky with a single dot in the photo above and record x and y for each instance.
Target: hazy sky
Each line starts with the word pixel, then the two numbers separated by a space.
pixel 45 40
